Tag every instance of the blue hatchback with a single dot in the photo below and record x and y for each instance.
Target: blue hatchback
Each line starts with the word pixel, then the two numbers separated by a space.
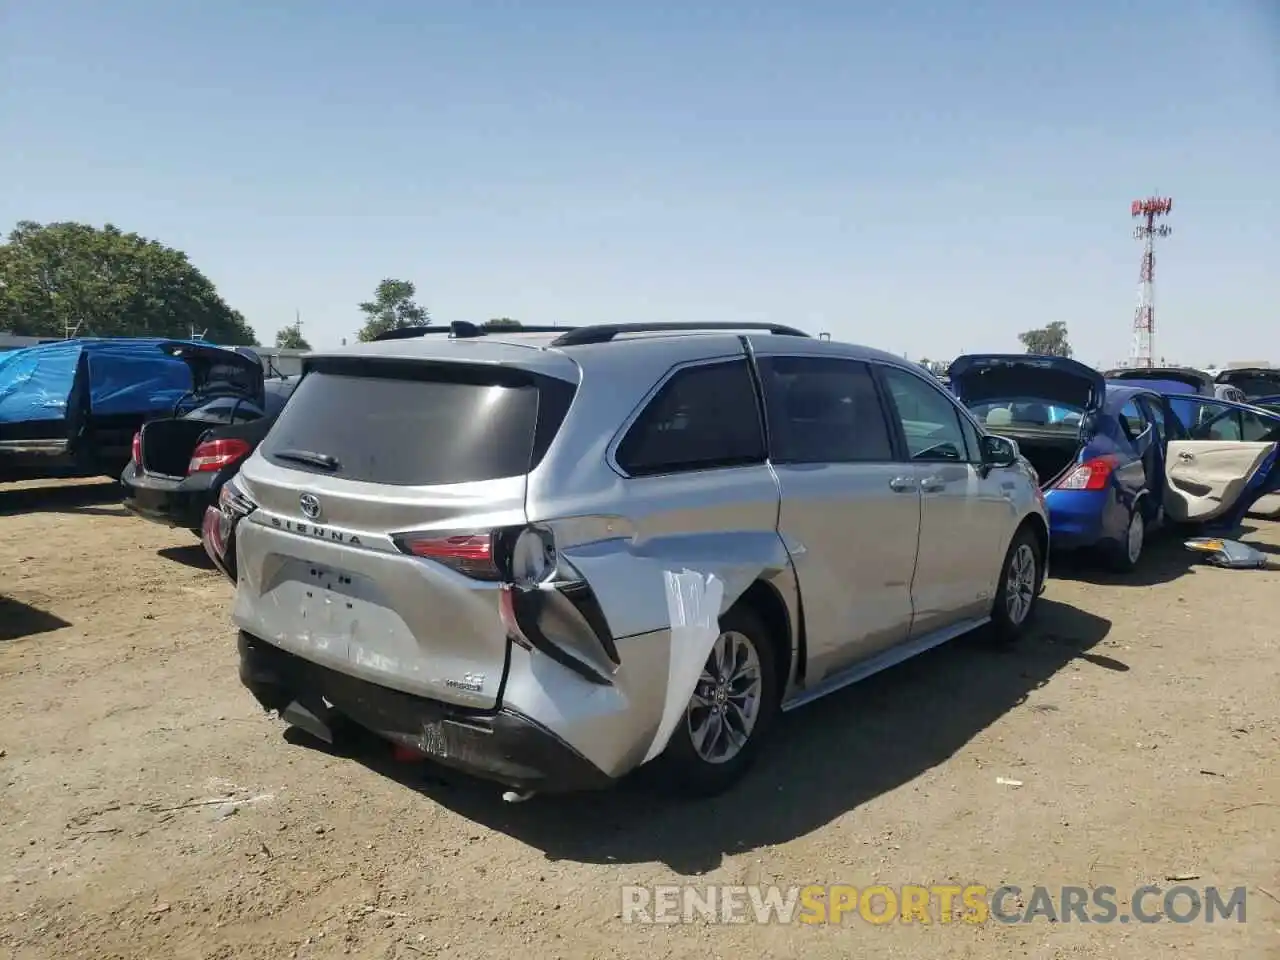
pixel 1116 460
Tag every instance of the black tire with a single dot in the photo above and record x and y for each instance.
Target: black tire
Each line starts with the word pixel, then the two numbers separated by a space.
pixel 1120 557
pixel 683 768
pixel 1007 624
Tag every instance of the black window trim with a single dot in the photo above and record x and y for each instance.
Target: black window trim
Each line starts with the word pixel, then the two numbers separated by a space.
pixel 611 452
pixel 869 367
pixel 899 435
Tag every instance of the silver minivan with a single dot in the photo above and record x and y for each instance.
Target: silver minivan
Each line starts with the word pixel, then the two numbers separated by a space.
pixel 549 557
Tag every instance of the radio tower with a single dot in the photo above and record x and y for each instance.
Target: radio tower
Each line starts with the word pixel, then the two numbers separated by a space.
pixel 1144 320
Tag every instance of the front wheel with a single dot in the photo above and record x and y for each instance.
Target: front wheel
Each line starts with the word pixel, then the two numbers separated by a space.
pixel 1019 588
pixel 730 712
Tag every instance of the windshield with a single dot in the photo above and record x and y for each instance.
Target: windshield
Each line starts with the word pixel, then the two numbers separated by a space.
pixel 1005 412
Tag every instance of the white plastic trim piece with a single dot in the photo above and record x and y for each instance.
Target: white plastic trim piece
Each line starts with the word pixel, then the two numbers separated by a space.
pixel 693 606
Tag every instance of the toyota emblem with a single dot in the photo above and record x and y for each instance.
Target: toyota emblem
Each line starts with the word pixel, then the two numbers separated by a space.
pixel 310 505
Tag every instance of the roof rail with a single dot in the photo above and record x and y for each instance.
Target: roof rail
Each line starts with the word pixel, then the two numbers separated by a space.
pixel 603 333
pixel 461 330
pixel 405 333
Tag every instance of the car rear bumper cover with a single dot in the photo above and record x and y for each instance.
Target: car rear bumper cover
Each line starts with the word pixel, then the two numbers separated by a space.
pixel 504 746
pixel 179 502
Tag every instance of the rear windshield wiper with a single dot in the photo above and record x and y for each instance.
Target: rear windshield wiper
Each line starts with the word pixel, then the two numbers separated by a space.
pixel 309 457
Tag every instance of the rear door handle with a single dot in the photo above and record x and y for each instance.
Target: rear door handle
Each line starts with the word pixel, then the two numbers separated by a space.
pixel 902 485
pixel 932 484
pixel 1186 456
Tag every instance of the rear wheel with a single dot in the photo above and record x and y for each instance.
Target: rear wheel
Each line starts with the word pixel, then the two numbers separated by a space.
pixel 1126 554
pixel 731 711
pixel 1019 588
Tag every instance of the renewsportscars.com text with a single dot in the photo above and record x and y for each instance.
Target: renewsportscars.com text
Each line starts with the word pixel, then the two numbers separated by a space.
pixel 971 904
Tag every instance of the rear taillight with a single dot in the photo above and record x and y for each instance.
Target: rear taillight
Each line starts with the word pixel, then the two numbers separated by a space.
pixel 233 506
pixel 215 454
pixel 518 555
pixel 1091 475
pixel 233 502
pixel 137 448
pixel 471 554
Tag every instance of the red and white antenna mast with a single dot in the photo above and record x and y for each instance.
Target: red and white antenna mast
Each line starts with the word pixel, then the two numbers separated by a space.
pixel 1144 321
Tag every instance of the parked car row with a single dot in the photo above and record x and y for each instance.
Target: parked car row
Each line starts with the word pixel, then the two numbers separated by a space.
pixel 68 408
pixel 548 557
pixel 1119 457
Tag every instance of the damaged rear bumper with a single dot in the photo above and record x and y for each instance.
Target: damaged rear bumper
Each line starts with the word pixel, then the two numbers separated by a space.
pixel 503 746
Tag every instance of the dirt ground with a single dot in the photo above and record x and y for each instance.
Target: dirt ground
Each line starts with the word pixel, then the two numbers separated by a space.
pixel 1141 721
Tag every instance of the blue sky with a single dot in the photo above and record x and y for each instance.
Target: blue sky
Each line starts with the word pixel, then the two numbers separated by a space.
pixel 921 176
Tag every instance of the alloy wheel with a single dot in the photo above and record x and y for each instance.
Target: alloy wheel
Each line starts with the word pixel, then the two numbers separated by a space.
pixel 726 701
pixel 1020 584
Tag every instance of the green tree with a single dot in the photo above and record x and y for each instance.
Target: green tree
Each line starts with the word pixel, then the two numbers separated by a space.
pixel 291 338
pixel 391 308
pixel 502 323
pixel 1049 340
pixel 61 277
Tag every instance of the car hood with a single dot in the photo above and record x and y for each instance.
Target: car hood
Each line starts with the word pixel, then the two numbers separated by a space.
pixel 219 370
pixel 1201 383
pixel 977 378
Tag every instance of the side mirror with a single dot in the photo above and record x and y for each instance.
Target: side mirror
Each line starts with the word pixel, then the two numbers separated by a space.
pixel 999 451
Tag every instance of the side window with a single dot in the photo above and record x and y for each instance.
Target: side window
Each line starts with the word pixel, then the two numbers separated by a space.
pixel 929 420
pixel 703 418
pixel 1207 419
pixel 1132 421
pixel 1155 413
pixel 824 410
pixel 1259 429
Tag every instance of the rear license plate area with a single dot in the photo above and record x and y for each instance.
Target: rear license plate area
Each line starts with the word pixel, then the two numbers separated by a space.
pixel 331 600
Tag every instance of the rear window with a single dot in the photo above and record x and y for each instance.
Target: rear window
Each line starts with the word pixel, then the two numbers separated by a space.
pixel 1254 384
pixel 276 396
pixel 424 426
pixel 221 409
pixel 1028 412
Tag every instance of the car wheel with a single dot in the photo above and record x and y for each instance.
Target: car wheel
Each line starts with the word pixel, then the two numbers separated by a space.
pixel 730 713
pixel 1126 554
pixel 1019 589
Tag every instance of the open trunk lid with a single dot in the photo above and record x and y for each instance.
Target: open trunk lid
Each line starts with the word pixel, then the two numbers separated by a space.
pixel 381 490
pixel 1060 381
pixel 217 371
pixel 1200 383
pixel 1253 381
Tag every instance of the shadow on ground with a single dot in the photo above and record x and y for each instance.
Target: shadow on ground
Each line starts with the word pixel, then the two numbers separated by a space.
pixel 189 555
pixel 19 620
pixel 1164 559
pixel 81 498
pixel 823 761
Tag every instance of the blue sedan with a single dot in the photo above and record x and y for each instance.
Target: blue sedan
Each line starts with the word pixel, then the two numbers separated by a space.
pixel 1115 461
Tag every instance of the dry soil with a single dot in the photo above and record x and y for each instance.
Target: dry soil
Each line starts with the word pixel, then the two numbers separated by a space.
pixel 149 809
